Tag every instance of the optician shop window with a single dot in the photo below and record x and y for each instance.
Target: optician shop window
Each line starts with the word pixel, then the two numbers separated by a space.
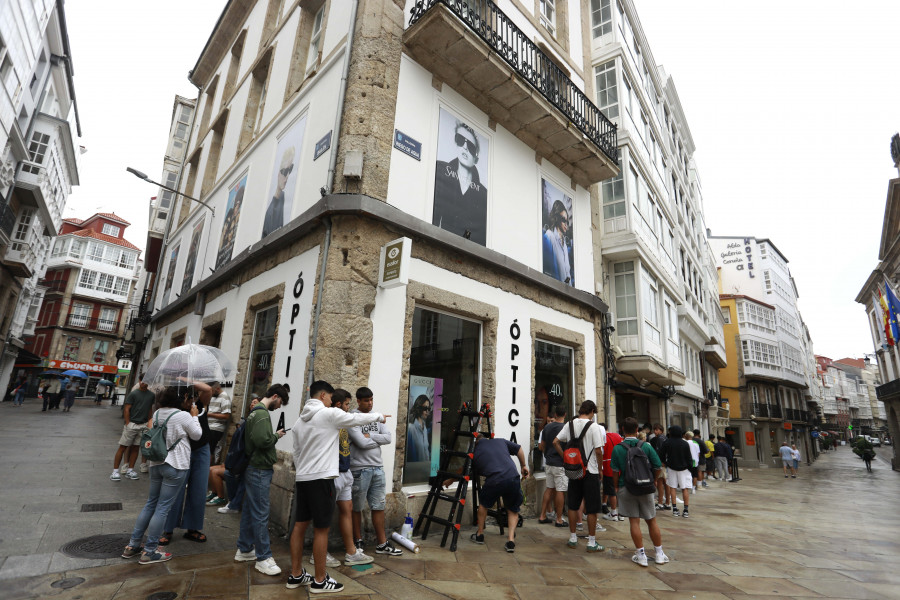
pixel 553 386
pixel 261 356
pixel 444 373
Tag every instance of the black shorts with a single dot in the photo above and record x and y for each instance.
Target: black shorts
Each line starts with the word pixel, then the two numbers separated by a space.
pixel 510 490
pixel 711 464
pixel 214 438
pixel 609 487
pixel 694 471
pixel 314 502
pixel 702 461
pixel 587 489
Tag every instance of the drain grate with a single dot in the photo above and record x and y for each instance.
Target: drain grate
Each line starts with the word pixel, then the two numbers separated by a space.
pixel 68 583
pixel 101 507
pixel 97 546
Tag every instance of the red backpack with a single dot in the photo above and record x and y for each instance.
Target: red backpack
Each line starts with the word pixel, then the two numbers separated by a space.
pixel 574 460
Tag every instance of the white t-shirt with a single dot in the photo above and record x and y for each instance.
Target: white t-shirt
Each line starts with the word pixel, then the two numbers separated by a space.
pixel 695 453
pixel 593 439
pixel 219 404
pixel 795 454
pixel 179 428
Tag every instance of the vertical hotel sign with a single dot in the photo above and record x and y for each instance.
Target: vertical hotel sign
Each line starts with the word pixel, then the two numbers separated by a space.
pixel 394 263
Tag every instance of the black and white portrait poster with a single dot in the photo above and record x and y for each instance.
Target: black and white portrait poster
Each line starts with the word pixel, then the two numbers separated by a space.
pixel 556 231
pixel 460 179
pixel 284 178
pixel 232 216
pixel 191 262
pixel 170 271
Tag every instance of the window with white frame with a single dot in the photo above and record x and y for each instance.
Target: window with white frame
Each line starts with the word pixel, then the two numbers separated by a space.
pixel 110 229
pixel 754 394
pixel 95 251
pixel 626 299
pixel 548 15
pixel 105 283
pixel 87 279
pixel 760 355
pixel 121 286
pixel 127 259
pixel 613 191
pixel 108 317
pixel 756 317
pixel 315 41
pixel 38 150
pixel 650 305
pixel 80 315
pixel 601 17
pixel 77 249
pixel 60 247
pixel 607 90
pixel 23 225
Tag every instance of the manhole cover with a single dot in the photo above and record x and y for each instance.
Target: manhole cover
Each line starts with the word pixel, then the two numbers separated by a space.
pixel 67 583
pixel 162 596
pixel 97 546
pixel 101 507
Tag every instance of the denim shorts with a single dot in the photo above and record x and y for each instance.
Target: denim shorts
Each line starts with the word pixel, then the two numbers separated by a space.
pixel 368 486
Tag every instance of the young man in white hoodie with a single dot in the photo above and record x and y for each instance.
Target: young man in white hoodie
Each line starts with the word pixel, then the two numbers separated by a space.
pixel 315 436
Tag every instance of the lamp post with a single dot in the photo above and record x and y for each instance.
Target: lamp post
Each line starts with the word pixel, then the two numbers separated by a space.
pixel 144 176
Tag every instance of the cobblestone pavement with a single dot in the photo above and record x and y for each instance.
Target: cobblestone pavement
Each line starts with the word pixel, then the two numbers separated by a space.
pixel 832 533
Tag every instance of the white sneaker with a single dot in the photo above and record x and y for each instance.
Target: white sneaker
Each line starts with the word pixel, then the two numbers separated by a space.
pixel 132 474
pixel 359 558
pixel 227 511
pixel 144 468
pixel 123 469
pixel 330 561
pixel 244 556
pixel 600 527
pixel 115 476
pixel 610 517
pixel 661 559
pixel 268 567
pixel 639 558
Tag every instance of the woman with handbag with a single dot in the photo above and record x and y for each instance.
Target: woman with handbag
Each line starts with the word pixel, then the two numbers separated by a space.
pixel 167 477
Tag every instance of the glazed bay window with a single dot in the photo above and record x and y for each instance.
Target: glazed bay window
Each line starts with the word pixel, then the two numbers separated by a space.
pixel 626 300
pixel 650 305
pixel 553 386
pixel 444 373
pixel 607 90
pixel 601 18
pixel 613 198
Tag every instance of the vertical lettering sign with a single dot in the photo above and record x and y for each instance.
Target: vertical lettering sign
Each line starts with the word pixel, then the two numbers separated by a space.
pixel 513 417
pixel 295 312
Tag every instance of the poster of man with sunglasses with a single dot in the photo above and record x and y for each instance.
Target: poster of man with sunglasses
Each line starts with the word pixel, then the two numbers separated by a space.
pixel 284 179
pixel 460 193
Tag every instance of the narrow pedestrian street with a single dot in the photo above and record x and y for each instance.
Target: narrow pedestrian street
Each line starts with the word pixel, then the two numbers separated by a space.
pixel 831 533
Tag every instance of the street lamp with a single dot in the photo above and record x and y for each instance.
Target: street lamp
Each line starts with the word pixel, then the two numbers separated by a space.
pixel 143 176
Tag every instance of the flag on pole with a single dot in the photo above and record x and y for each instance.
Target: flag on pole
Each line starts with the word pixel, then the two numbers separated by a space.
pixel 885 318
pixel 893 309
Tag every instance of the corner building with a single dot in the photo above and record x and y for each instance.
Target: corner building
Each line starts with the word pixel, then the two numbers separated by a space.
pixel 454 137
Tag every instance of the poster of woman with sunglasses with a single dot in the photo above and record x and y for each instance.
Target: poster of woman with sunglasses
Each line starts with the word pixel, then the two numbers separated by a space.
pixel 284 179
pixel 460 193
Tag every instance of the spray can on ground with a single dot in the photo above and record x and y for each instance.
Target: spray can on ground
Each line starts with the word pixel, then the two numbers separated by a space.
pixel 407 529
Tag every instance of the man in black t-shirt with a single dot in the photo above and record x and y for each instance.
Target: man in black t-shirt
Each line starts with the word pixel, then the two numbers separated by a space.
pixel 491 460
pixel 556 481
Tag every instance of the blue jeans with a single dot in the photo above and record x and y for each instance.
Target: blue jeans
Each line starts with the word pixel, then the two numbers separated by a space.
pixel 20 397
pixel 194 501
pixel 234 489
pixel 254 531
pixel 165 482
pixel 368 486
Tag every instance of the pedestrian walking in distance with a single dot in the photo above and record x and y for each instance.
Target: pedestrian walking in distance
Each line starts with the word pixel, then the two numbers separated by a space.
pixel 787 460
pixel 166 477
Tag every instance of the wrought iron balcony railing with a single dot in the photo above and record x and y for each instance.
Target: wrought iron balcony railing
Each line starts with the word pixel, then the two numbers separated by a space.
pixel 505 38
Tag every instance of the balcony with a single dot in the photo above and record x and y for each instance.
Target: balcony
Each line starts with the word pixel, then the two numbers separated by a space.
pixel 476 49
pixel 20 259
pixel 77 321
pixel 7 223
pixel 54 287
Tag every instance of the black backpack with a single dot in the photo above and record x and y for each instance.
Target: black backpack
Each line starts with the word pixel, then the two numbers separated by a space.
pixel 237 459
pixel 638 474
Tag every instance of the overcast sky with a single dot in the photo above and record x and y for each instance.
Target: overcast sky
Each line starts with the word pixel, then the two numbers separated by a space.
pixel 791 105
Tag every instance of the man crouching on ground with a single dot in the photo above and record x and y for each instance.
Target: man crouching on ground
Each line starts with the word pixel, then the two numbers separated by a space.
pixel 315 437
pixel 491 459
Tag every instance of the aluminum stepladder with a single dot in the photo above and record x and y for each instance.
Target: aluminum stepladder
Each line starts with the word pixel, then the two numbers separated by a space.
pixel 457 500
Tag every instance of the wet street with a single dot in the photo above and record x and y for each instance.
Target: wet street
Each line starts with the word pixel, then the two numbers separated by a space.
pixel 832 533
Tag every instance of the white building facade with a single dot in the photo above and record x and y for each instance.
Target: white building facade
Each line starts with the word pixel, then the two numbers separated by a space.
pixel 660 277
pixel 38 161
pixel 468 161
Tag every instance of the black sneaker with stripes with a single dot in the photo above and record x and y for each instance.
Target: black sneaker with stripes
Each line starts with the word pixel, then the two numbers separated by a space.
pixel 388 548
pixel 295 582
pixel 327 586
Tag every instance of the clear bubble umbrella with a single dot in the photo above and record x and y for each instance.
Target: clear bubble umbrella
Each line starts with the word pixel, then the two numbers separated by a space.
pixel 187 363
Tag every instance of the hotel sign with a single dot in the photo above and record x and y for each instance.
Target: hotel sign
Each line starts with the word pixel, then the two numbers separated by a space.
pixel 393 269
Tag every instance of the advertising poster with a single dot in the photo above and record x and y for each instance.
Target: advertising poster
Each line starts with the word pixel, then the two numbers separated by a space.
pixel 170 271
pixel 284 178
pixel 556 228
pixel 423 432
pixel 192 257
pixel 232 216
pixel 460 179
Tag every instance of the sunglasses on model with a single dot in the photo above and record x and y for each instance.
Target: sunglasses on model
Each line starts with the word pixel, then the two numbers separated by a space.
pixel 287 170
pixel 463 141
